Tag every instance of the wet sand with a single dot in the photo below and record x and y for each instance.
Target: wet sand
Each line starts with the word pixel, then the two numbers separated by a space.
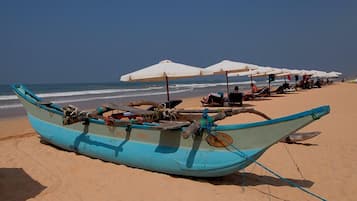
pixel 326 164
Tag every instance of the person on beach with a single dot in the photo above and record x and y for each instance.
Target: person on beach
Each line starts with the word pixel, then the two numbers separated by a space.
pixel 235 97
pixel 254 88
pixel 236 89
pixel 213 98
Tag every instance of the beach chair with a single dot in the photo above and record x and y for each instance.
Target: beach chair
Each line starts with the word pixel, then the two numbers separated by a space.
pixel 235 99
pixel 213 99
pixel 262 92
pixel 279 90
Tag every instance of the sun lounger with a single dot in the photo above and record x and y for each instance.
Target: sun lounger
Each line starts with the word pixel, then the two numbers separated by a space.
pixel 285 88
pixel 263 92
pixel 235 99
pixel 213 99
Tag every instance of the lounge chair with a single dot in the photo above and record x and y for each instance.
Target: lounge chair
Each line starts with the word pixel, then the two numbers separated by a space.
pixel 285 88
pixel 213 99
pixel 263 92
pixel 235 99
pixel 279 90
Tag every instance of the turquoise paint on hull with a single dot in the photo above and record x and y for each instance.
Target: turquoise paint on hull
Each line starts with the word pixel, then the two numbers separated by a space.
pixel 202 163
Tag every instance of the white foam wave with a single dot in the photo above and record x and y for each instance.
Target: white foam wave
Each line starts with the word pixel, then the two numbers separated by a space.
pixel 80 93
pixel 108 91
pixel 121 96
pixel 102 98
pixel 8 97
pixel 10 106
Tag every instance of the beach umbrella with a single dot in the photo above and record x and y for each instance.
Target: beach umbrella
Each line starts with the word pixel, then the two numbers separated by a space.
pixel 334 72
pixel 318 74
pixel 268 72
pixel 164 71
pixel 306 72
pixel 296 74
pixel 250 73
pixel 225 67
pixel 287 73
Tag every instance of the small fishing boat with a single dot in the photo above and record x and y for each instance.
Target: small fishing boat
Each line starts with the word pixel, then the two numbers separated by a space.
pixel 193 147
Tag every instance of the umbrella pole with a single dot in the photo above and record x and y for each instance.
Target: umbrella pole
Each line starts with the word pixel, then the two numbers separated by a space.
pixel 251 83
pixel 167 88
pixel 227 82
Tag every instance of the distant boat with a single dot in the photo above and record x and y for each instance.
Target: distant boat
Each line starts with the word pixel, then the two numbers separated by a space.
pixel 212 151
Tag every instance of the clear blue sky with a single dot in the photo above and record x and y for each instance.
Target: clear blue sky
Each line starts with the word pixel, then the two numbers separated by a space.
pixel 97 41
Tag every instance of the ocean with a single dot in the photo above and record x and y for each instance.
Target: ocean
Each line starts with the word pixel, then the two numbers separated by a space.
pixel 90 95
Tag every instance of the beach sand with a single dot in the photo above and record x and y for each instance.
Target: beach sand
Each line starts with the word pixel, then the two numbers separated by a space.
pixel 325 165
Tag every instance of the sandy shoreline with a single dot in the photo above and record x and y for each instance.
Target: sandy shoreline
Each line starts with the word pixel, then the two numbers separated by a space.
pixel 325 165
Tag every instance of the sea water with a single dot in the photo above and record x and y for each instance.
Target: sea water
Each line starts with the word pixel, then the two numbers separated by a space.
pixel 90 95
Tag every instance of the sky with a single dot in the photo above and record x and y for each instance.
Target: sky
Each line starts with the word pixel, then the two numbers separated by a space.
pixel 44 41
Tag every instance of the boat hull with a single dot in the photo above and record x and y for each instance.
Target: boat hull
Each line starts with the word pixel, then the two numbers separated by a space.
pixel 143 155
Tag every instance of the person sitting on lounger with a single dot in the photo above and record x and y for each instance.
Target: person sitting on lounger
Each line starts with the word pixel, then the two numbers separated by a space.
pixel 279 90
pixel 318 83
pixel 254 88
pixel 262 92
pixel 213 99
pixel 235 97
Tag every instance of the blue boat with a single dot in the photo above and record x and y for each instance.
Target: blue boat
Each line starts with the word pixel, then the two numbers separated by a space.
pixel 212 151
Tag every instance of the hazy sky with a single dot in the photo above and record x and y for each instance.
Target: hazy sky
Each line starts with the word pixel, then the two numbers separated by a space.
pixel 97 41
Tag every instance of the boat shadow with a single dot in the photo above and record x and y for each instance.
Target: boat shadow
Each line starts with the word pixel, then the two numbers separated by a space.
pixel 17 185
pixel 248 179
pixel 247 105
pixel 259 99
pixel 239 179
pixel 302 144
pixel 277 95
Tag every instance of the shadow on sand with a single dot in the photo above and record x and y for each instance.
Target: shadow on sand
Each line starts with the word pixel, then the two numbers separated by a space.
pixel 251 179
pixel 17 185
pixel 303 144
pixel 260 99
pixel 247 105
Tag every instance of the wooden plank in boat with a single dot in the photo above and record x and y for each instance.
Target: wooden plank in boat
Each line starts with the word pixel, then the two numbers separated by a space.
pixel 135 111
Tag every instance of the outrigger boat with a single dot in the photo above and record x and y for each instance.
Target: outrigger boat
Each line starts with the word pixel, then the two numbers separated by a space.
pixel 169 141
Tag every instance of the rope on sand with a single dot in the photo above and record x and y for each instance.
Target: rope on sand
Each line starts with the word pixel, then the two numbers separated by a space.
pixel 286 180
pixel 295 163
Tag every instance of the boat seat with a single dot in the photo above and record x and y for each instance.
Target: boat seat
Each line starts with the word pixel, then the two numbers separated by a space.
pixel 135 111
pixel 49 104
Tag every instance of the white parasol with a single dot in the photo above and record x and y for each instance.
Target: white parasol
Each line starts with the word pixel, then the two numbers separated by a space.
pixel 164 71
pixel 225 67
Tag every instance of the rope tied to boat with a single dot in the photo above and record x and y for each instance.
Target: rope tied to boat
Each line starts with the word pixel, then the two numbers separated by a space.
pixel 169 114
pixel 206 122
pixel 71 114
pixel 286 180
pixel 315 116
